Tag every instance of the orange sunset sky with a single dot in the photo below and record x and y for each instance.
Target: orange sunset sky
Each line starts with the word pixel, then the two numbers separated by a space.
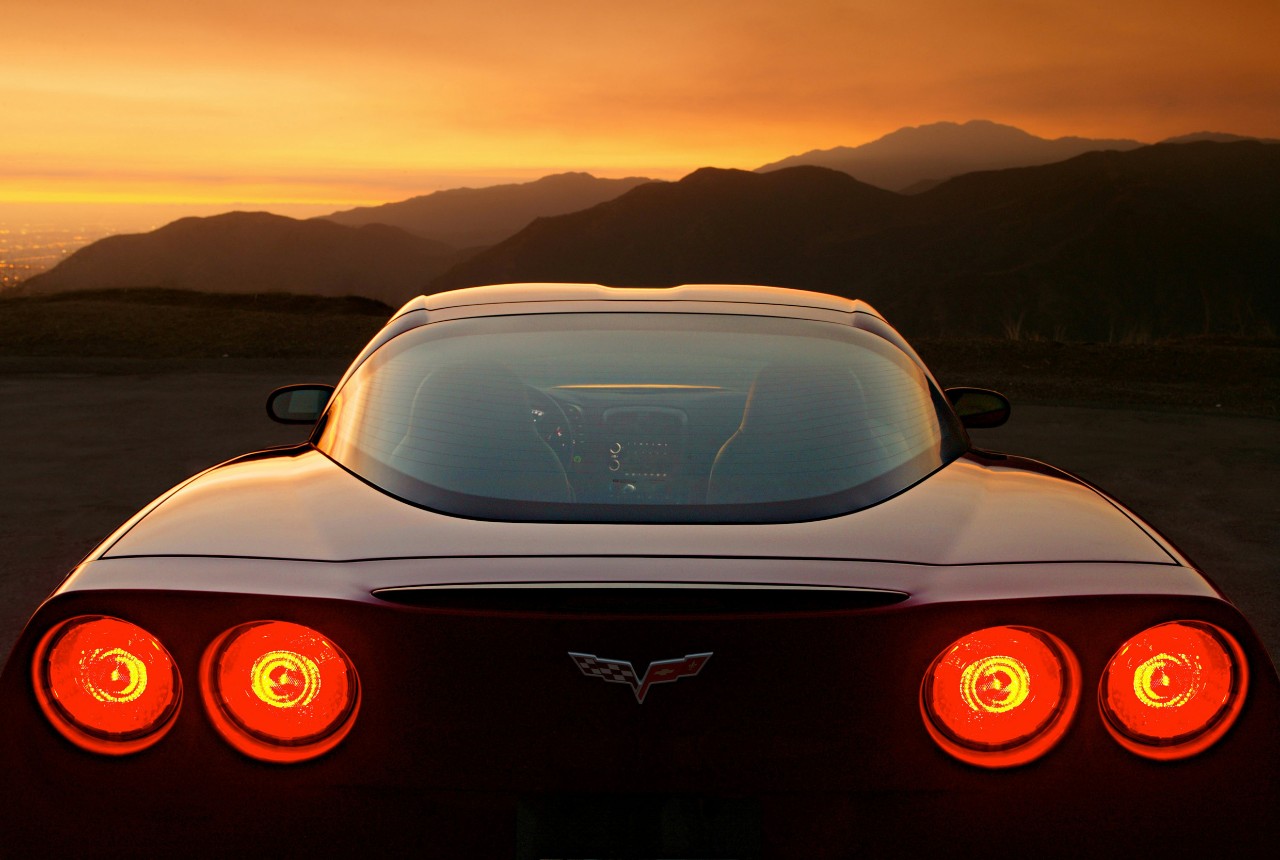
pixel 301 106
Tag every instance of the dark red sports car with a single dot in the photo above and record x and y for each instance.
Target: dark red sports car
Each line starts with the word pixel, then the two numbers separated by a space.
pixel 575 571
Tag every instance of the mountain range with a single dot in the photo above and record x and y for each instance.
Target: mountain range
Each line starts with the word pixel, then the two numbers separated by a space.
pixel 1174 238
pixel 916 158
pixel 256 252
pixel 1164 239
pixel 469 217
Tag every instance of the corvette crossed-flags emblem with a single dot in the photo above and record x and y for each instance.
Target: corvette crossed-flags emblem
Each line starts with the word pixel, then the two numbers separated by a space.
pixel 622 672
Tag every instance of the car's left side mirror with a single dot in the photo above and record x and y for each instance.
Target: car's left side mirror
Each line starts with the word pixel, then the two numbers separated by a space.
pixel 298 404
pixel 979 407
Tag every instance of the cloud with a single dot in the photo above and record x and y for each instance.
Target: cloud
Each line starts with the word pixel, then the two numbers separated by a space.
pixel 319 88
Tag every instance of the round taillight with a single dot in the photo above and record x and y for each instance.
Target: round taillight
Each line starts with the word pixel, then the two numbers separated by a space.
pixel 279 691
pixel 1173 689
pixel 107 685
pixel 1001 696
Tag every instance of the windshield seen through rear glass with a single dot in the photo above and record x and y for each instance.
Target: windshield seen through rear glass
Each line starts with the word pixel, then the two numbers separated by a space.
pixel 626 417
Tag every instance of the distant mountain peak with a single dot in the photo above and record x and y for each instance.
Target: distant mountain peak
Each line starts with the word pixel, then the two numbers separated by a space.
pixel 469 217
pixel 1163 239
pixel 234 218
pixel 1216 137
pixel 946 129
pixel 704 174
pixel 568 177
pixel 936 151
pixel 255 252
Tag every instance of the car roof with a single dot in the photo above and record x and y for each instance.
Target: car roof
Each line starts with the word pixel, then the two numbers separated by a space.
pixel 503 294
pixel 533 298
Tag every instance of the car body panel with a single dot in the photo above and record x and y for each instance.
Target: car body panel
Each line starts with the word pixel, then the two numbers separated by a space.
pixel 358 580
pixel 478 735
pixel 969 512
pixel 686 298
pixel 476 718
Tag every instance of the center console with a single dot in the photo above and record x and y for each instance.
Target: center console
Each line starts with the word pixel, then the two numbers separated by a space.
pixel 644 453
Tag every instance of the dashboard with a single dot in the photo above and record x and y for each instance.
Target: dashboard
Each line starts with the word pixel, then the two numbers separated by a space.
pixel 646 444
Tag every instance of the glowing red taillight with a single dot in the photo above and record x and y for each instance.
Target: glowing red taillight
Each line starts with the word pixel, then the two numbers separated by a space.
pixel 106 685
pixel 1173 689
pixel 279 691
pixel 1000 696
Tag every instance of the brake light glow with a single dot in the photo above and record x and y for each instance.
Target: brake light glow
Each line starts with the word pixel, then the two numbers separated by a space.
pixel 1173 689
pixel 1000 696
pixel 279 691
pixel 106 685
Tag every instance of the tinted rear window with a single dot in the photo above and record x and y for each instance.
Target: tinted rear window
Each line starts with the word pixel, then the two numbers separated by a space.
pixel 612 417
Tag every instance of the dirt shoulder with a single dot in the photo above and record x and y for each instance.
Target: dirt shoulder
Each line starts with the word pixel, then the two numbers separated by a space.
pixel 1207 482
pixel 1193 375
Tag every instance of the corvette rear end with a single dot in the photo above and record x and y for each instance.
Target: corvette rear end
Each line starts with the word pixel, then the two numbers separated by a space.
pixel 808 731
pixel 742 590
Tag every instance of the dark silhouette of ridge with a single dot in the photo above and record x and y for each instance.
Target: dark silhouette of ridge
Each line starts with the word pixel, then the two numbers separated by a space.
pixel 932 153
pixel 1216 137
pixel 1165 239
pixel 255 252
pixel 469 217
pixel 726 225
pixel 1176 238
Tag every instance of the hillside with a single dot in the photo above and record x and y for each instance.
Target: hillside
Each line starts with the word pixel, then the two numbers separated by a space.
pixel 925 155
pixel 713 225
pixel 255 252
pixel 468 217
pixel 1167 239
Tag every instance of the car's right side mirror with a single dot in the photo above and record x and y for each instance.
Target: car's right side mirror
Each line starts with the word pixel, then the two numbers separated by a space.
pixel 979 407
pixel 298 404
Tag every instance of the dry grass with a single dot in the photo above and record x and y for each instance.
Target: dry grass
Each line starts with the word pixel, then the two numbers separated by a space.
pixel 167 330
pixel 170 324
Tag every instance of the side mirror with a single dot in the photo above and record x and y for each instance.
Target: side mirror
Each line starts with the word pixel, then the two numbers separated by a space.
pixel 979 407
pixel 298 404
